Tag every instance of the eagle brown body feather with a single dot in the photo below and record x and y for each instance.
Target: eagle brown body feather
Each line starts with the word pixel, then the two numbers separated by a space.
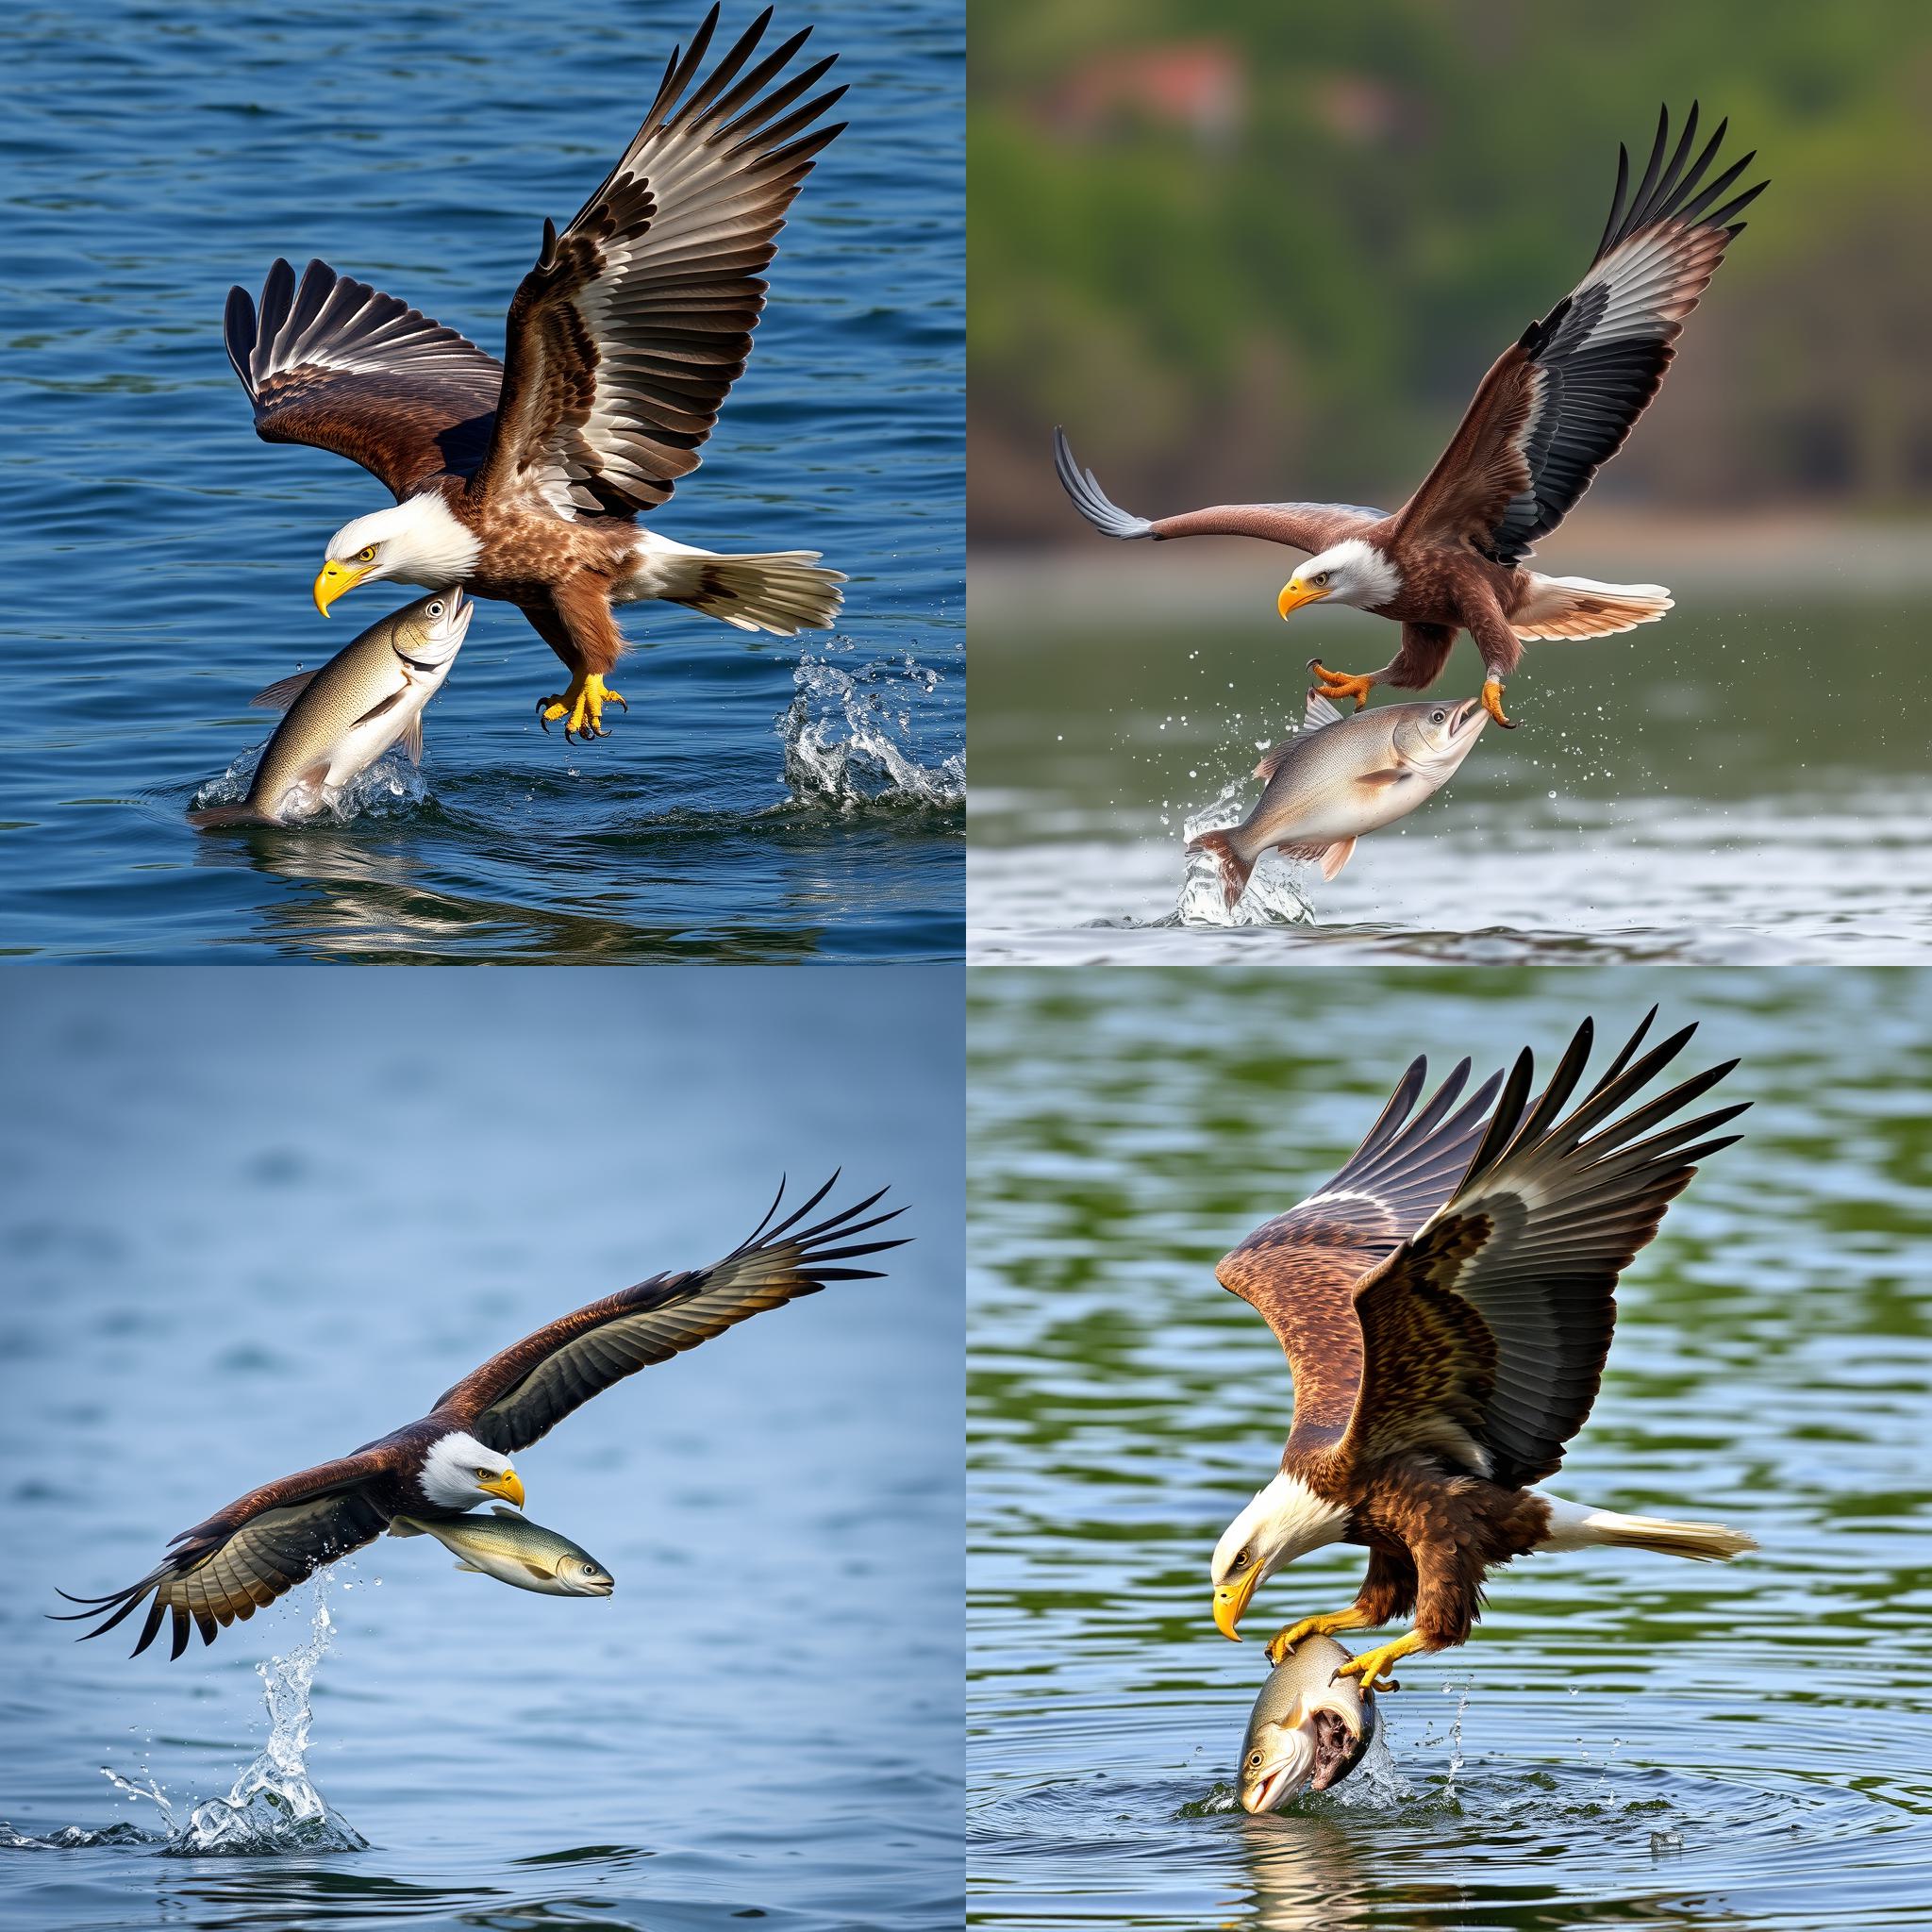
pixel 1446 1304
pixel 621 346
pixel 264 1543
pixel 1556 406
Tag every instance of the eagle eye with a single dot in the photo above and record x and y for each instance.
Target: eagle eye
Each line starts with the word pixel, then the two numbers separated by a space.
pixel 482 1475
pixel 1240 1562
pixel 366 555
pixel 1321 576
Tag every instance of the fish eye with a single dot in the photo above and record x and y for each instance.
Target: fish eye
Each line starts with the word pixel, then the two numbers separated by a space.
pixel 366 555
pixel 1437 716
pixel 1255 1762
pixel 436 610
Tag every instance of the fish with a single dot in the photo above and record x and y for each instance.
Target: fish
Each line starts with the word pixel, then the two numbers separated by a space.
pixel 1309 1727
pixel 1338 779
pixel 341 717
pixel 514 1550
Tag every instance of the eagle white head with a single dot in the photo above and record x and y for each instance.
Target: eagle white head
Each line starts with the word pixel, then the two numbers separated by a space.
pixel 1352 572
pixel 418 541
pixel 1284 1521
pixel 460 1473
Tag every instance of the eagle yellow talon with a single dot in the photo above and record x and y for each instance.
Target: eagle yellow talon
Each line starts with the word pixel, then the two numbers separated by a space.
pixel 1492 703
pixel 584 704
pixel 1325 1624
pixel 1370 1667
pixel 1342 684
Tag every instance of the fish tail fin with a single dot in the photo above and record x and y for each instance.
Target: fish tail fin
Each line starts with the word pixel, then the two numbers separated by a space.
pixel 1577 1526
pixel 1567 607
pixel 239 814
pixel 782 592
pixel 1233 868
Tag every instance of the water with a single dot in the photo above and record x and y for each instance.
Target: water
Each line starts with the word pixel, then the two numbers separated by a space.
pixel 282 1252
pixel 1743 783
pixel 157 556
pixel 1626 1738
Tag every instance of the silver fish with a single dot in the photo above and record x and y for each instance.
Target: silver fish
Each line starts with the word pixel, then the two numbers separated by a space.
pixel 1338 779
pixel 343 716
pixel 515 1550
pixel 1309 1727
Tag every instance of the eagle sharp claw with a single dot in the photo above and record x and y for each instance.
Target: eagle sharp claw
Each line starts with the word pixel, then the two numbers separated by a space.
pixel 584 702
pixel 1341 684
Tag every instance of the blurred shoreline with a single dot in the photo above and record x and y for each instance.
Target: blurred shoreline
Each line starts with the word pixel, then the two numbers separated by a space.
pixel 1794 553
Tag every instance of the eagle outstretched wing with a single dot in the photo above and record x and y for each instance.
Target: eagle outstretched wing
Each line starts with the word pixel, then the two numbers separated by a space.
pixel 1558 403
pixel 333 362
pixel 522 1393
pixel 245 1556
pixel 1311 527
pixel 1484 1334
pixel 1299 1271
pixel 624 338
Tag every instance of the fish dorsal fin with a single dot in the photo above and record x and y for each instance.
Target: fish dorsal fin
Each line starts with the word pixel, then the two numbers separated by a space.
pixel 403 1525
pixel 504 1509
pixel 283 692
pixel 1319 713
pixel 1272 761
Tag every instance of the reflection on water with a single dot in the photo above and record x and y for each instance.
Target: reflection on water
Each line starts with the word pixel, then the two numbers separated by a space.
pixel 1661 1741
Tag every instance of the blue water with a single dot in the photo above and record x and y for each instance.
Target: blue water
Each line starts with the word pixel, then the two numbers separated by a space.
pixel 225 1254
pixel 157 557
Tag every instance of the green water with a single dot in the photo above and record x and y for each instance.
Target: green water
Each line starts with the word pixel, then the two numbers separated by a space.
pixel 1628 1739
pixel 1736 784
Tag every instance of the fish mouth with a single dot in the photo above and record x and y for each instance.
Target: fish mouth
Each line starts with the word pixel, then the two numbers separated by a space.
pixel 1268 1791
pixel 1468 708
pixel 598 1586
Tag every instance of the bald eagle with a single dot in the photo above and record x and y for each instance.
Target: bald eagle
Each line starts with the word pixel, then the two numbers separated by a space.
pixel 1445 1304
pixel 522 480
pixel 1556 406
pixel 459 1455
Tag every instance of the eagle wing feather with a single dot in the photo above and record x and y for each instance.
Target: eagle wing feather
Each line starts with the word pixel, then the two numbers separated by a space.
pixel 519 1395
pixel 1484 1334
pixel 1558 403
pixel 246 1555
pixel 332 362
pixel 1298 1272
pixel 624 338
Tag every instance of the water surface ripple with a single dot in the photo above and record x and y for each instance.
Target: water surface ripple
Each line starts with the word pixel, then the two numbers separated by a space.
pixel 1637 1739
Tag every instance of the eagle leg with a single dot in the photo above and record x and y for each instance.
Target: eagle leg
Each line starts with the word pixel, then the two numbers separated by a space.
pixel 583 703
pixel 1324 1625
pixel 1371 1664
pixel 1492 702
pixel 1341 684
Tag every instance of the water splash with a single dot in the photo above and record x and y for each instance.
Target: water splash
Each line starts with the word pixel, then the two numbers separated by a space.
pixel 1271 897
pixel 272 1805
pixel 392 785
pixel 854 738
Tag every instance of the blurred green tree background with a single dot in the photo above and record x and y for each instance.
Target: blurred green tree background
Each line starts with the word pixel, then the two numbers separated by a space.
pixel 1249 250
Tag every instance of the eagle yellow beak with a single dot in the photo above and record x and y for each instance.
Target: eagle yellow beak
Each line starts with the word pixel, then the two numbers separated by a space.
pixel 1231 1600
pixel 1294 593
pixel 337 577
pixel 506 1486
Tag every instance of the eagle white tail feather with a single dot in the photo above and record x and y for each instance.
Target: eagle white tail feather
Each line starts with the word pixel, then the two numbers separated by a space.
pixel 783 591
pixel 1577 1526
pixel 1570 608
